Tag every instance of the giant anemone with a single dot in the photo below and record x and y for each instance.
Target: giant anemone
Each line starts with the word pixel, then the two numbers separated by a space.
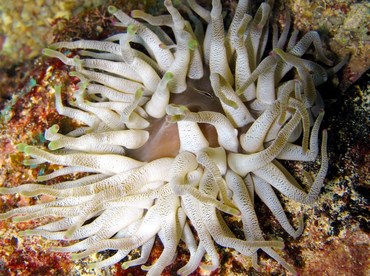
pixel 182 122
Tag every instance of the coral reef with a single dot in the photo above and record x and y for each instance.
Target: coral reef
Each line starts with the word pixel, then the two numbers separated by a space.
pixel 34 20
pixel 343 24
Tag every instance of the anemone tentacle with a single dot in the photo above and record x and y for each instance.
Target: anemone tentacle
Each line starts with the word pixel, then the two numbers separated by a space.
pixel 180 126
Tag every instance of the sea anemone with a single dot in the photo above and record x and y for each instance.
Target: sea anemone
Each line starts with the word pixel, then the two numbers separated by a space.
pixel 180 126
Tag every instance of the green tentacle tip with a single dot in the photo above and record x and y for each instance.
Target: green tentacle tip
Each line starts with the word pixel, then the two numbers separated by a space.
pixel 17 219
pixel 231 211
pixel 139 93
pixel 136 13
pixel 176 118
pixel 54 129
pixel 231 104
pixel 48 52
pixel 280 53
pixel 91 266
pixel 23 193
pixel 20 147
pixel 25 233
pixel 73 73
pixel 41 178
pixel 27 149
pixel 168 76
pixel 54 249
pixel 124 265
pixel 58 89
pixel 52 46
pixel 280 245
pixel 28 193
pixel 76 74
pixel 53 145
pixel 182 109
pixel 82 85
pixel 282 117
pixel 192 44
pixel 4 216
pixel 3 190
pixel 146 267
pixel 174 109
pixel 74 256
pixel 69 233
pixel 30 163
pixel 112 9
pixel 77 62
pixel 240 91
pixel 132 29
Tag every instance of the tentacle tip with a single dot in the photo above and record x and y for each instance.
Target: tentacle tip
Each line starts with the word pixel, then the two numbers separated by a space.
pixel 47 52
pixel 239 91
pixel 20 147
pixel 25 233
pixel 73 74
pixel 257 267
pixel 75 256
pixel 136 13
pixel 193 44
pixel 17 219
pixel 232 211
pixel 167 3
pixel 278 243
pixel 54 249
pixel 324 136
pixel 112 9
pixel 162 46
pixel 139 93
pixel 321 111
pixel 207 268
pixel 168 76
pixel 41 178
pixel 27 149
pixel 53 145
pixel 58 89
pixel 132 29
pixel 175 118
pixel 26 193
pixel 54 129
pixel 329 62
pixel 91 265
pixel 282 118
pixel 145 267
pixel 29 163
pixel 52 46
pixel 68 234
pixel 232 104
pixel 82 85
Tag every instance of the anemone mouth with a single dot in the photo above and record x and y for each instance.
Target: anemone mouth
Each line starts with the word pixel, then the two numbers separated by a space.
pixel 164 138
pixel 187 130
